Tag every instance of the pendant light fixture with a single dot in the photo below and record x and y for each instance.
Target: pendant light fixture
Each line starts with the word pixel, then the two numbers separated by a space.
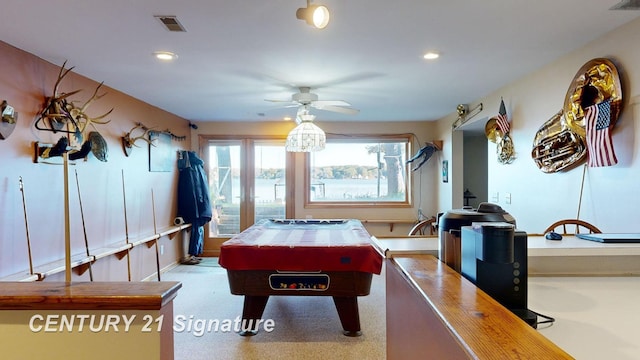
pixel 314 15
pixel 306 137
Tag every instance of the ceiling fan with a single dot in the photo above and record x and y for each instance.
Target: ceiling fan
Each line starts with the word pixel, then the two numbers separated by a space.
pixel 305 99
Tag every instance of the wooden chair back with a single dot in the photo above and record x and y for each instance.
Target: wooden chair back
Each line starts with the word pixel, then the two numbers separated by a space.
pixel 423 227
pixel 581 227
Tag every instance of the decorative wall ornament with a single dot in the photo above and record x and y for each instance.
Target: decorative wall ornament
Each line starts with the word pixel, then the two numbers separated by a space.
pixel 99 146
pixel 46 153
pixel 603 75
pixel 8 121
pixel 465 114
pixel 556 146
pixel 497 130
pixel 581 129
pixel 129 141
pixel 445 171
pixel 425 153
pixel 59 112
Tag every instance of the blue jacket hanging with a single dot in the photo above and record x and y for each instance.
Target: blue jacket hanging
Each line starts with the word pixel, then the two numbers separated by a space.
pixel 194 204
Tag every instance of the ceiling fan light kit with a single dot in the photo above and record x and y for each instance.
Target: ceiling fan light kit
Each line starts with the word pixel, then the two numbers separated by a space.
pixel 165 55
pixel 305 99
pixel 314 15
pixel 306 137
pixel 431 55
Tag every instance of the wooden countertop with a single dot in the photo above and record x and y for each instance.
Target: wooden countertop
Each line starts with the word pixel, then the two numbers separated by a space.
pixel 573 246
pixel 87 295
pixel 407 245
pixel 484 327
pixel 537 246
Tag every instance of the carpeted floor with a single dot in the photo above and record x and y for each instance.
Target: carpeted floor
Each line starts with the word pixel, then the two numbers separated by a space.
pixel 305 327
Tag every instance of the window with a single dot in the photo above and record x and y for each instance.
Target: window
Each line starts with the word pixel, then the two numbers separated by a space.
pixel 363 171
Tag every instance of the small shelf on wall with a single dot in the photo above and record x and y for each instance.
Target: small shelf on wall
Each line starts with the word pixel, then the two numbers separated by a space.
pixel 145 240
pixel 58 266
pixel 22 276
pixel 80 262
pixel 390 222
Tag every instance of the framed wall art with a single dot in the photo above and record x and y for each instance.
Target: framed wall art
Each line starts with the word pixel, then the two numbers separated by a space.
pixel 445 171
pixel 160 158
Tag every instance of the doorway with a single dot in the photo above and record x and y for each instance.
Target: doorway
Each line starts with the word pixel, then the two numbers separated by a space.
pixel 475 173
pixel 249 180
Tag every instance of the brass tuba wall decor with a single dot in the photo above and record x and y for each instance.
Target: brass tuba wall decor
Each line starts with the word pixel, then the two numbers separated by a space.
pixel 560 143
pixel 556 146
pixel 601 74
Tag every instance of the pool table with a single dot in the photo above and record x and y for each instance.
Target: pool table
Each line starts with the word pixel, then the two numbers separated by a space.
pixel 310 257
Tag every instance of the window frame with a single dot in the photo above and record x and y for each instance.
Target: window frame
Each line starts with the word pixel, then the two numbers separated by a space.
pixel 247 156
pixel 364 138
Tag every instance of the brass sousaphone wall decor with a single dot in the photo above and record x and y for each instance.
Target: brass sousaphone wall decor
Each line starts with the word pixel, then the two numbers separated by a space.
pixel 560 143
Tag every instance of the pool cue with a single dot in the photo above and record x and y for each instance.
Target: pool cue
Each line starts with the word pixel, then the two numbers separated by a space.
pixel 126 227
pixel 26 224
pixel 84 228
pixel 153 208
pixel 67 221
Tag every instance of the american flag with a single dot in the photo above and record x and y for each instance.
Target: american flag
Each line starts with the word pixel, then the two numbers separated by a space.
pixel 599 144
pixel 502 122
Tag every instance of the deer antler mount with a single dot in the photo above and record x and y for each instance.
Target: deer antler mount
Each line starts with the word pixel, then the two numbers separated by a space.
pixel 129 141
pixel 60 112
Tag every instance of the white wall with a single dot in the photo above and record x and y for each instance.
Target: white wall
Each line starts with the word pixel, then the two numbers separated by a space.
pixel 610 194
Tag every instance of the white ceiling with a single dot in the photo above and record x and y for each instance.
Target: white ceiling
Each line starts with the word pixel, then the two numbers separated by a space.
pixel 235 54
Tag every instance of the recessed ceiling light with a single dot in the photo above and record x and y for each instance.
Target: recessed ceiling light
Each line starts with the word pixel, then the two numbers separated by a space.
pixel 165 55
pixel 287 118
pixel 431 55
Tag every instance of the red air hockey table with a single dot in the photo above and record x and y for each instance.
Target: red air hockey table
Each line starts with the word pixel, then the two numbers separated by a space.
pixel 292 257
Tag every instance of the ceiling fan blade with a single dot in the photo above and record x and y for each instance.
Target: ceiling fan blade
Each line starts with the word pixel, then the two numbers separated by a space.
pixel 288 106
pixel 348 79
pixel 278 101
pixel 321 103
pixel 339 109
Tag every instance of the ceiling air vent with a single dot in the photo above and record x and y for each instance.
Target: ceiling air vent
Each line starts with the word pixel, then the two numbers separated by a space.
pixel 627 5
pixel 171 23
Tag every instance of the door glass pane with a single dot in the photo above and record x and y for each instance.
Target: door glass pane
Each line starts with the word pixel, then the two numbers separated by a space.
pixel 224 184
pixel 270 185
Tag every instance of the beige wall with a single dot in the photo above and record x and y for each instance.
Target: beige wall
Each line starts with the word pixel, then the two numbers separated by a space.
pixel 609 199
pixel 611 195
pixel 24 83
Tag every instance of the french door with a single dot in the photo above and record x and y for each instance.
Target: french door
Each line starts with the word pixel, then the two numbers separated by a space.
pixel 249 181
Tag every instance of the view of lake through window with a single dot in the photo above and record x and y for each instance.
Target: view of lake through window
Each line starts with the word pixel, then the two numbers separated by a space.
pixel 358 172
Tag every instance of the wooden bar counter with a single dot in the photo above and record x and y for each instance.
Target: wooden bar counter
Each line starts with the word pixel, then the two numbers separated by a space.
pixel 87 320
pixel 435 313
